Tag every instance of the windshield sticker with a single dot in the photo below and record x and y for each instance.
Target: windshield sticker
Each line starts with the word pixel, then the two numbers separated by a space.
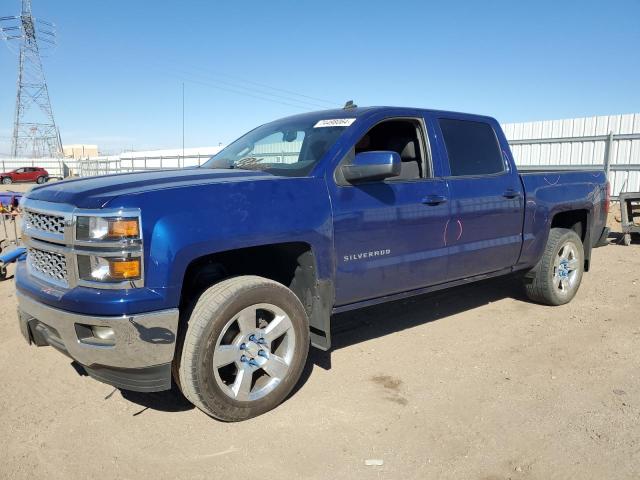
pixel 335 122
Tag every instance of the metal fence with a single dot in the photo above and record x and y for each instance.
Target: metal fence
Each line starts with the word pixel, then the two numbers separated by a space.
pixel 56 167
pixel 611 143
pixel 280 153
pixel 624 177
pixel 106 165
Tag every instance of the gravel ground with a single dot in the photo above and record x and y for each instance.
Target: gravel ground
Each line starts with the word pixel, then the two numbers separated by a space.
pixel 18 187
pixel 472 383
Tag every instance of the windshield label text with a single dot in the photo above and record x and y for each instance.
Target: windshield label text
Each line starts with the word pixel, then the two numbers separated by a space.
pixel 335 122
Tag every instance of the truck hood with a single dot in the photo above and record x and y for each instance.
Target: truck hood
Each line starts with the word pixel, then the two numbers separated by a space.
pixel 96 192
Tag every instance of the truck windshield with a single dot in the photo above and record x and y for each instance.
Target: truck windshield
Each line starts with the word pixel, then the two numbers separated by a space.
pixel 289 148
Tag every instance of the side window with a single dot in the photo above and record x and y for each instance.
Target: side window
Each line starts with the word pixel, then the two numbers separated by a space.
pixel 401 136
pixel 472 147
pixel 20 170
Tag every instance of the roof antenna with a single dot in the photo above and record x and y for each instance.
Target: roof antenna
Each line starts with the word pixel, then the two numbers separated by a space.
pixel 349 105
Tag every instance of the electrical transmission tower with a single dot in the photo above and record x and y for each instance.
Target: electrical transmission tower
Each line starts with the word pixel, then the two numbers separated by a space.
pixel 35 133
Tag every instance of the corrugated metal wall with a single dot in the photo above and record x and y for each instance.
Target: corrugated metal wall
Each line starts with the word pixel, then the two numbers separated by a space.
pixel 579 142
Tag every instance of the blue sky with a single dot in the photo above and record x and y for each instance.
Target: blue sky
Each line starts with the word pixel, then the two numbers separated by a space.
pixel 115 77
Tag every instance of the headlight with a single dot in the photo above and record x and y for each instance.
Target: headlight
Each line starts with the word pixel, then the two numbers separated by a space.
pixel 107 228
pixel 109 269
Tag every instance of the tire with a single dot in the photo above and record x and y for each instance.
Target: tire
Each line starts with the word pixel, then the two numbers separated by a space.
pixel 3 273
pixel 41 180
pixel 7 181
pixel 556 278
pixel 257 365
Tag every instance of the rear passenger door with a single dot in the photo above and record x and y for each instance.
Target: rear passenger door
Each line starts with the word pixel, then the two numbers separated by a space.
pixel 31 174
pixel 484 233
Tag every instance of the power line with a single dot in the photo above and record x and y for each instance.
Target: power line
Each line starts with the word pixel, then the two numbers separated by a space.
pixel 242 90
pixel 251 82
pixel 262 94
pixel 183 121
pixel 239 92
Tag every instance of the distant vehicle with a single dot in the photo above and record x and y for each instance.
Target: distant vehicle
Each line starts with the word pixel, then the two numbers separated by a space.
pixel 223 275
pixel 25 174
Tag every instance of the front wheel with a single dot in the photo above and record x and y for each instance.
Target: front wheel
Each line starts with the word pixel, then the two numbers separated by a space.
pixel 245 348
pixel 41 180
pixel 556 278
pixel 7 180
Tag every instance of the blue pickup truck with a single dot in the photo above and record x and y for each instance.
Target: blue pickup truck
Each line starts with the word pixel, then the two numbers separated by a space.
pixel 218 278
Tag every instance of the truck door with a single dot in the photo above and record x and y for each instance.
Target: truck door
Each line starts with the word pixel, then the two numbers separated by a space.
pixel 388 233
pixel 484 233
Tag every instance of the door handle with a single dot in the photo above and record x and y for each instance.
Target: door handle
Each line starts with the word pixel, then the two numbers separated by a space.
pixel 511 193
pixel 434 199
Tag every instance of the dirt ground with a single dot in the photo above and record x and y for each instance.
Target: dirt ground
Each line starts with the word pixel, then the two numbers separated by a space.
pixel 18 187
pixel 472 383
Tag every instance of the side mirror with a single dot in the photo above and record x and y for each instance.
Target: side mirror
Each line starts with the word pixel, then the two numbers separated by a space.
pixel 369 166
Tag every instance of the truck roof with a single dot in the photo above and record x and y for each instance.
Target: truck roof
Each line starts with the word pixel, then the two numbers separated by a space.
pixel 372 110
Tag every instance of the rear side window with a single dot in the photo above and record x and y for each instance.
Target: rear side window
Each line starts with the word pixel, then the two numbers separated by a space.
pixel 472 147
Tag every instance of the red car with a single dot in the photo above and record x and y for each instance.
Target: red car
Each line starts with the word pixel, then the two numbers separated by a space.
pixel 25 174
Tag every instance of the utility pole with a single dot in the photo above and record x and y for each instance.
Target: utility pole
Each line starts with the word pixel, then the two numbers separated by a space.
pixel 35 132
pixel 182 126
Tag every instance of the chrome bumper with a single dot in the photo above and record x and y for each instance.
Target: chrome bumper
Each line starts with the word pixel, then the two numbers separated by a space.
pixel 139 340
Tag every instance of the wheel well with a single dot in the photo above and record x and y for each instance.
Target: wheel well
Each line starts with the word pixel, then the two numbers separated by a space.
pixel 575 220
pixel 291 264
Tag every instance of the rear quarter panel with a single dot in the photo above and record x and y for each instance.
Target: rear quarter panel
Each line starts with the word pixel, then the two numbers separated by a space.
pixel 549 193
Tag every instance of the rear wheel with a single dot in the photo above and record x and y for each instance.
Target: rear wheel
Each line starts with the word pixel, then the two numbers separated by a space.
pixel 41 180
pixel 245 347
pixel 557 276
pixel 7 180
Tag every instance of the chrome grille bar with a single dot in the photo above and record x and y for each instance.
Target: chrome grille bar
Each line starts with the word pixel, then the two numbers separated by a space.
pixel 44 222
pixel 50 265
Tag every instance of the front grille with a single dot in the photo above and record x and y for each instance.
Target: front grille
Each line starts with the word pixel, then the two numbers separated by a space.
pixel 50 265
pixel 44 221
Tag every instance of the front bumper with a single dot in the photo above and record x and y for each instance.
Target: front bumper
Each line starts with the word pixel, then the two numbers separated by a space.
pixel 138 357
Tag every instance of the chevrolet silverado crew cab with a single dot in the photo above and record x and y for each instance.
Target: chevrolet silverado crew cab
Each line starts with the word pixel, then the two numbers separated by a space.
pixel 218 278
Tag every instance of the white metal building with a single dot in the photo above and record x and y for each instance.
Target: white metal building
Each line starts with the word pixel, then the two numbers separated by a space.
pixel 611 142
